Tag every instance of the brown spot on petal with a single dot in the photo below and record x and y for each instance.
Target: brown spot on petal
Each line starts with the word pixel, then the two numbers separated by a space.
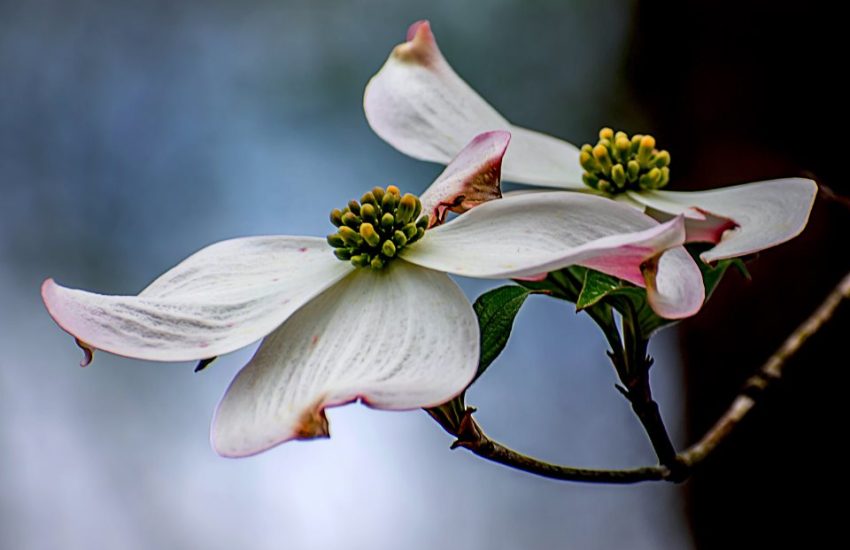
pixel 420 46
pixel 313 423
pixel 475 191
pixel 88 352
pixel 649 269
pixel 438 216
pixel 485 186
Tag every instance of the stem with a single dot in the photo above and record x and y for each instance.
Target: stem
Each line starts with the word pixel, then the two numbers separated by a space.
pixel 633 370
pixel 639 395
pixel 829 194
pixel 470 435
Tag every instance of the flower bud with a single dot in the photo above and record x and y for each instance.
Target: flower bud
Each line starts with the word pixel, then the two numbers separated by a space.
pixel 406 206
pixel 343 254
pixel 336 241
pixel 361 260
pixel 585 158
pixel 590 180
pixel 377 263
pixel 389 202
pixel 409 231
pixel 349 236
pixel 387 221
pixel 618 174
pixel 336 217
pixel 399 238
pixel 351 220
pixel 650 179
pixel 368 213
pixel 600 153
pixel 647 144
pixel 367 231
pixel 368 198
pixel 633 170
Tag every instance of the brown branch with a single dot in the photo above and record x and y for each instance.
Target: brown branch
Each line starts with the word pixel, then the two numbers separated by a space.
pixel 769 372
pixel 646 409
pixel 471 437
pixel 828 194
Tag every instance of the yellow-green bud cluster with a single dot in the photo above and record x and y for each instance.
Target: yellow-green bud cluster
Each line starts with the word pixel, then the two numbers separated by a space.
pixel 373 231
pixel 618 163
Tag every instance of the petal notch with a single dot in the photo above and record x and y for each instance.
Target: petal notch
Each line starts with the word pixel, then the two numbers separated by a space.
pixel 400 338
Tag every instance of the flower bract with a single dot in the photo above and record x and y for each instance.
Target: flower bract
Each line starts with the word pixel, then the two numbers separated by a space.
pixel 399 335
pixel 419 105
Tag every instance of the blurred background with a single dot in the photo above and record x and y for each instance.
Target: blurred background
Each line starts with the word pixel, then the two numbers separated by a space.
pixel 134 133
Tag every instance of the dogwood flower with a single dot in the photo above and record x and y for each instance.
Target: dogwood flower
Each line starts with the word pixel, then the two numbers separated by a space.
pixel 419 105
pixel 385 325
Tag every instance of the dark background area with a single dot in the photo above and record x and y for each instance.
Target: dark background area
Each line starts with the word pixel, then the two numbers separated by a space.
pixel 750 91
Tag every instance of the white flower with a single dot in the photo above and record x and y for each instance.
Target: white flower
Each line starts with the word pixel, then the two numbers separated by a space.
pixel 397 333
pixel 419 105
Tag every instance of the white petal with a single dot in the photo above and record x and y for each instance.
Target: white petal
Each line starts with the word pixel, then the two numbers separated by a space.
pixel 527 234
pixel 766 213
pixel 420 106
pixel 540 159
pixel 218 300
pixel 401 338
pixel 675 290
pixel 472 178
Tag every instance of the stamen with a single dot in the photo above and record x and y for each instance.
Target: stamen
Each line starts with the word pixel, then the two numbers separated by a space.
pixel 373 231
pixel 618 163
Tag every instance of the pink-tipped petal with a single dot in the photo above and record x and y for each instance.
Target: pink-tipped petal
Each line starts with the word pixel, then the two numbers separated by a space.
pixel 764 214
pixel 413 30
pixel 472 178
pixel 705 227
pixel 400 338
pixel 524 235
pixel 420 106
pixel 220 299
pixel 674 286
pixel 540 159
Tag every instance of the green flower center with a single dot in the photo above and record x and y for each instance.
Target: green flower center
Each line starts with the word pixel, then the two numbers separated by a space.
pixel 618 163
pixel 373 231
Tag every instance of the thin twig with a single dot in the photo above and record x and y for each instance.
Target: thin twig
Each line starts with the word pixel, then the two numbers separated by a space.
pixel 647 411
pixel 829 194
pixel 771 370
pixel 634 375
pixel 470 435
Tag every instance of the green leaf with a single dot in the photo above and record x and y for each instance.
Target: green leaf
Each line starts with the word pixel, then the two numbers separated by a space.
pixel 712 275
pixel 596 287
pixel 599 289
pixel 496 311
pixel 564 284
